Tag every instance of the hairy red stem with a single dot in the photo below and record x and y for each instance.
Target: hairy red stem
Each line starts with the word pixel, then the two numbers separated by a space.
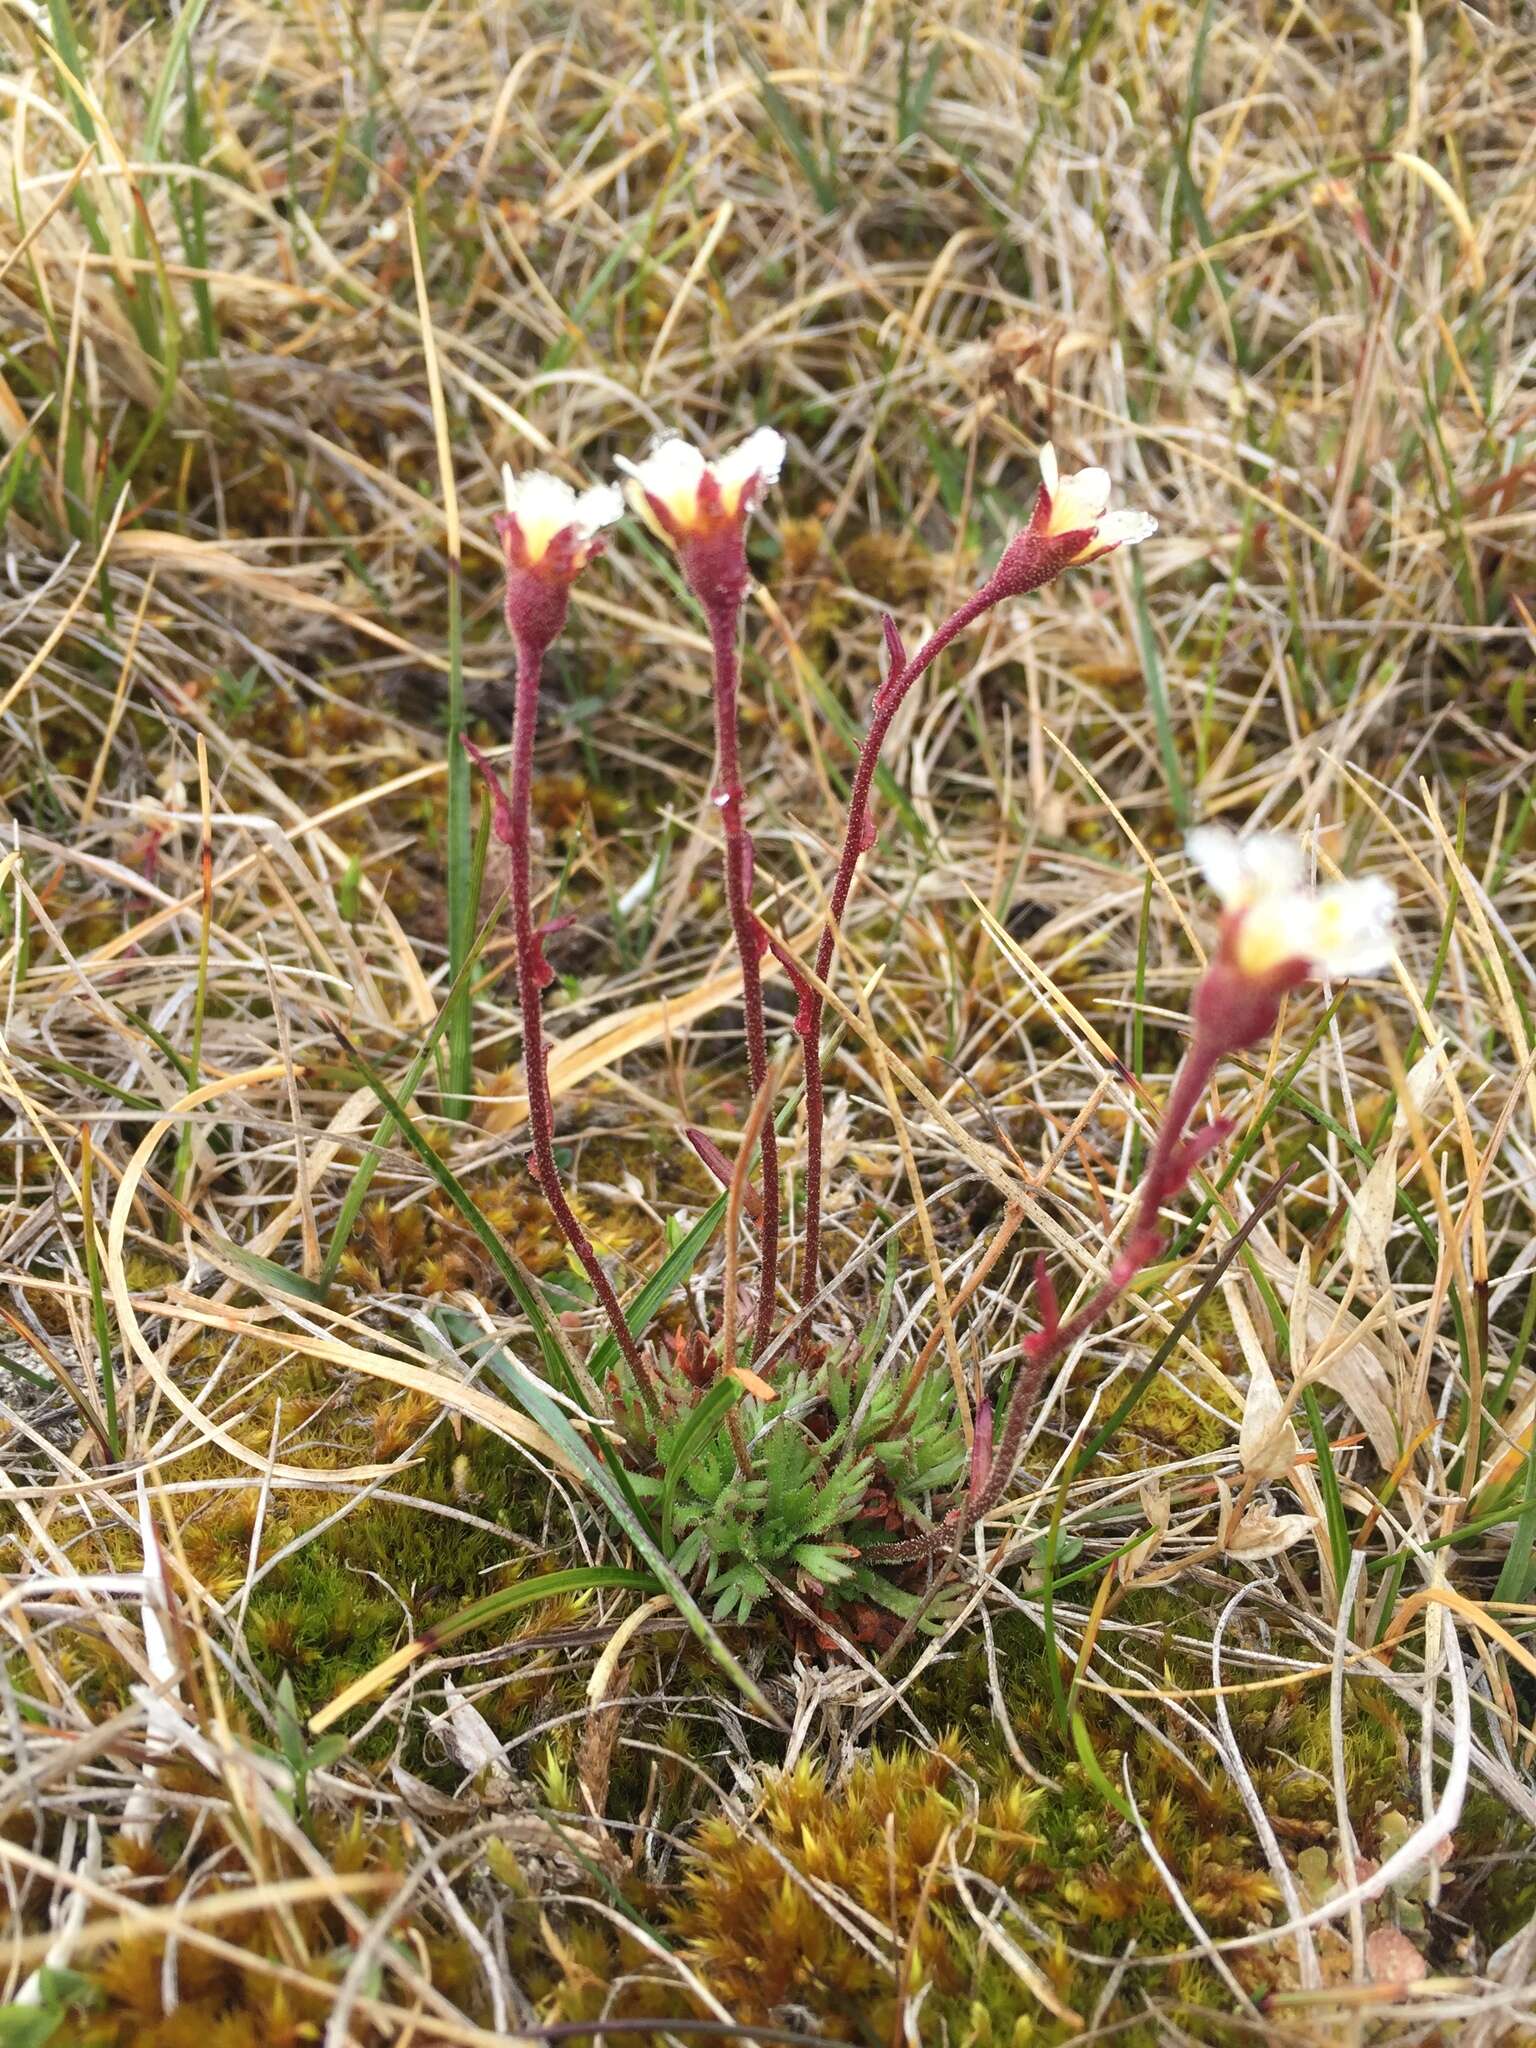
pixel 1167 1171
pixel 857 839
pixel 531 976
pixel 723 614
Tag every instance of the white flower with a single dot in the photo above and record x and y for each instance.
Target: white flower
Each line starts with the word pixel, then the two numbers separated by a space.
pixel 545 506
pixel 674 474
pixel 1342 928
pixel 1081 501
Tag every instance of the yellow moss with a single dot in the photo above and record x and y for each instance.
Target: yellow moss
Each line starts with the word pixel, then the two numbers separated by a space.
pixel 753 1913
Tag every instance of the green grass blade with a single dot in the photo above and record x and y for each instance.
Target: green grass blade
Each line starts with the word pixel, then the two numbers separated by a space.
pixel 1339 1545
pixel 100 1326
pixel 461 861
pixel 1053 1650
pixel 192 214
pixel 265 1272
pixel 1087 1756
pixel 551 1349
pixel 548 1586
pixel 549 1345
pixel 1157 697
pixel 1517 1574
pixel 526 1593
pixel 178 47
pixel 187 1138
pixel 912 100
pixel 1139 1016
pixel 821 177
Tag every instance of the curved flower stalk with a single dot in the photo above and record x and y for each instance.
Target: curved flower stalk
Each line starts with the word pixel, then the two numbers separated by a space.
pixel 1276 934
pixel 1070 525
pixel 703 507
pixel 549 534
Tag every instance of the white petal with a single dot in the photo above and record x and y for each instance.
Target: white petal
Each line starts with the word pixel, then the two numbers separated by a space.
pixel 1243 869
pixel 1050 474
pixel 602 505
pixel 1345 928
pixel 1352 927
pixel 1217 853
pixel 758 459
pixel 536 490
pixel 1081 501
pixel 1123 529
pixel 1272 863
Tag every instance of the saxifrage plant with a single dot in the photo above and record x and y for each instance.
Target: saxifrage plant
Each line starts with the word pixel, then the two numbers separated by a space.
pixel 828 1479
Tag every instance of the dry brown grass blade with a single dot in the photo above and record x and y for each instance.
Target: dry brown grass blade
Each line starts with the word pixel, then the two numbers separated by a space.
pixel 609 1039
pixel 192 1916
pixel 126 1310
pixel 71 612
pixel 177 554
pixel 455 1397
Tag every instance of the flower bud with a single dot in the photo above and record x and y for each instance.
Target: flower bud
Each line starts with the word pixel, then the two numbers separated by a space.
pixel 703 507
pixel 1071 524
pixel 549 533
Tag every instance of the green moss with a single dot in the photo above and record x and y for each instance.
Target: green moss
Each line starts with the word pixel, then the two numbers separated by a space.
pixel 334 1609
pixel 1170 1416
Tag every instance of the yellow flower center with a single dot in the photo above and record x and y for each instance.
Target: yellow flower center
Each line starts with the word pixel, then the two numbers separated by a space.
pixel 1271 932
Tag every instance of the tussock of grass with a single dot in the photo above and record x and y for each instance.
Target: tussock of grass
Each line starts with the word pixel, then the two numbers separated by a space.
pixel 1269 265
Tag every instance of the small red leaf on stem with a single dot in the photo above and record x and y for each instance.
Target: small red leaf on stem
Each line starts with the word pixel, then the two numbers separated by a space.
pixel 1040 1343
pixel 981 1451
pixel 710 1153
pixel 805 1008
pixel 543 973
pixel 1200 1141
pixel 1045 1296
pixel 896 654
pixel 502 821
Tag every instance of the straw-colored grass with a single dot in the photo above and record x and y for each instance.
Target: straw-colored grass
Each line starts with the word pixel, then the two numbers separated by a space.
pixel 1225 1733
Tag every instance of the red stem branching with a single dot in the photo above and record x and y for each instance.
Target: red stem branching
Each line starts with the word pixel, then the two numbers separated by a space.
pixel 1035 556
